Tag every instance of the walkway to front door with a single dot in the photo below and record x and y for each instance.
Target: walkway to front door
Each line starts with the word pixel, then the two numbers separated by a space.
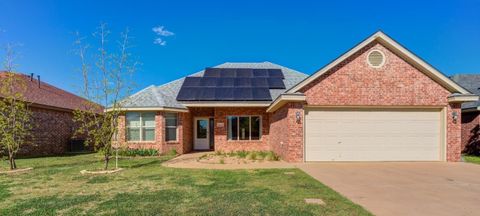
pixel 201 134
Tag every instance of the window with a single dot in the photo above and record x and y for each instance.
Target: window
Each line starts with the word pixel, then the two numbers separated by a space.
pixel 244 127
pixel 170 127
pixel 140 126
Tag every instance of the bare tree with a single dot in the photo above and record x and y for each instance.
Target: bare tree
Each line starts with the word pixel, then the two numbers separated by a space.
pixel 107 78
pixel 15 115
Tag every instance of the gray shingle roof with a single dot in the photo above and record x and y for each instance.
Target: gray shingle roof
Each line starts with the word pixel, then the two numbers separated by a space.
pixel 471 82
pixel 165 95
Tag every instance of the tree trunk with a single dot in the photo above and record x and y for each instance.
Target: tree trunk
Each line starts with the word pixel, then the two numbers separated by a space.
pixel 11 159
pixel 107 159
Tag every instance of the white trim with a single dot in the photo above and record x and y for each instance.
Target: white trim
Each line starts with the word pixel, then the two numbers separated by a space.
pixel 444 126
pixel 399 50
pixel 168 109
pixel 383 58
pixel 462 98
pixel 226 104
pixel 285 98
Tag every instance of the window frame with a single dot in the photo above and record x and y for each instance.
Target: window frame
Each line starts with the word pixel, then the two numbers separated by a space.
pixel 167 127
pixel 260 128
pixel 141 127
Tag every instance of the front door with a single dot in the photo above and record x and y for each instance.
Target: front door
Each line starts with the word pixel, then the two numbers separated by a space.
pixel 201 129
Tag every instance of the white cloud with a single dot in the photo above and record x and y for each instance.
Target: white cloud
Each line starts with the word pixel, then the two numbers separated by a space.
pixel 161 33
pixel 160 41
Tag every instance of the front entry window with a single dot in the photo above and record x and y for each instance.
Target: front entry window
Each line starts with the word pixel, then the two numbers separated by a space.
pixel 244 127
pixel 202 127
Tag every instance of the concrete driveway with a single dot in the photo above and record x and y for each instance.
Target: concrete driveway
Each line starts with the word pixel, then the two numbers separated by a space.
pixel 404 188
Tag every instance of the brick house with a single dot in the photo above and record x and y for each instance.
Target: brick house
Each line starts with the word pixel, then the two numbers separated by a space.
pixel 470 114
pixel 52 112
pixel 376 102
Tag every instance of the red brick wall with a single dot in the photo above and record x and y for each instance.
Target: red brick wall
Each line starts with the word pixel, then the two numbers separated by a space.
pixel 159 143
pixel 286 138
pixel 224 145
pixel 51 133
pixel 185 131
pixel 470 131
pixel 353 82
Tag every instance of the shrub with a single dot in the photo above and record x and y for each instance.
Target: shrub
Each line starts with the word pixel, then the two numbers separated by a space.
pixel 172 152
pixel 271 156
pixel 251 156
pixel 241 154
pixel 222 161
pixel 260 155
pixel 128 152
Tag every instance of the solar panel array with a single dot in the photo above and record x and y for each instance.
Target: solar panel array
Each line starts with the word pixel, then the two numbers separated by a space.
pixel 232 84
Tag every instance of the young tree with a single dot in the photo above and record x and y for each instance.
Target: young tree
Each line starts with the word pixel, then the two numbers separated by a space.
pixel 107 79
pixel 15 124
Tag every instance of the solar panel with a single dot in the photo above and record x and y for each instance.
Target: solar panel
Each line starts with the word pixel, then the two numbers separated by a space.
pixel 275 73
pixel 243 82
pixel 224 94
pixel 244 72
pixel 192 81
pixel 232 84
pixel 208 82
pixel 242 94
pixel 228 72
pixel 276 83
pixel 226 82
pixel 206 93
pixel 212 72
pixel 187 94
pixel 261 94
pixel 260 82
pixel 260 72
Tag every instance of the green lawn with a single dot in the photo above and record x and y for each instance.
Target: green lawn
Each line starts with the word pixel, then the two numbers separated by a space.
pixel 472 159
pixel 56 187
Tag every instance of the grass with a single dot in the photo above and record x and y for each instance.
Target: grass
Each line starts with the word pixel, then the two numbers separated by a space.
pixel 56 187
pixel 472 159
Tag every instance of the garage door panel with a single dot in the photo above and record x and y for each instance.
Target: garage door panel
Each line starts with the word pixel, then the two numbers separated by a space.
pixel 356 135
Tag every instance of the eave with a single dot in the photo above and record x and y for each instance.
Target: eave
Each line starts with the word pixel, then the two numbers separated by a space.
pixel 284 99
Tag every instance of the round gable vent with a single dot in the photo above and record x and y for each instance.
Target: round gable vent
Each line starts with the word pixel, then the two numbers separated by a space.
pixel 376 58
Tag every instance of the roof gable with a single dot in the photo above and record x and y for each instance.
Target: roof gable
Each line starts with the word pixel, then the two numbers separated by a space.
pixel 398 50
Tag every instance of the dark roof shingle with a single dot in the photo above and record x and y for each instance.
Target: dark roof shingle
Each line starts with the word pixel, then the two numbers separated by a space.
pixel 471 82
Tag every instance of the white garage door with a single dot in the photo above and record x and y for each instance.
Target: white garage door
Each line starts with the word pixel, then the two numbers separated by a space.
pixel 373 135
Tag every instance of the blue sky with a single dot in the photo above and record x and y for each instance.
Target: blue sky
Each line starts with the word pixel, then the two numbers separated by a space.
pixel 303 35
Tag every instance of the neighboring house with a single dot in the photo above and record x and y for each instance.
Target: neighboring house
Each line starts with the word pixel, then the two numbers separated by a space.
pixel 470 113
pixel 52 117
pixel 376 102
